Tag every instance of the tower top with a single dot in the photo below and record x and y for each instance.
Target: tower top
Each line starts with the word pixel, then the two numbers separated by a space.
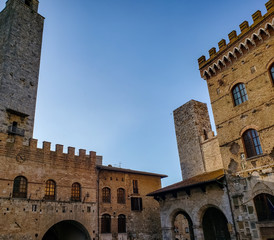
pixel 32 4
pixel 238 44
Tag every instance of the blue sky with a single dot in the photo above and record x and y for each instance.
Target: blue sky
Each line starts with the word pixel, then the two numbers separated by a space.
pixel 113 71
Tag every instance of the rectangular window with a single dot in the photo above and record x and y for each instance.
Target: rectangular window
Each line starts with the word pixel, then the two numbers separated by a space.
pixel 34 208
pixel 135 186
pixel 136 204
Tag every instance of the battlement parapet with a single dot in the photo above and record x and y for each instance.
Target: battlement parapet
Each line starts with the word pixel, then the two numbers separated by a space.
pixel 15 147
pixel 207 136
pixel 250 36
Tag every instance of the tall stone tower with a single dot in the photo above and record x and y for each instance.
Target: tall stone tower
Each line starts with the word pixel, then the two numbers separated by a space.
pixel 191 122
pixel 21 29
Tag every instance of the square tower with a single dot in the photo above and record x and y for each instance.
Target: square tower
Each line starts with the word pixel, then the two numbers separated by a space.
pixel 21 29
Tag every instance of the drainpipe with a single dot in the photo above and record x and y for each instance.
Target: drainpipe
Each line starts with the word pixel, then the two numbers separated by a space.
pixel 231 210
pixel 98 208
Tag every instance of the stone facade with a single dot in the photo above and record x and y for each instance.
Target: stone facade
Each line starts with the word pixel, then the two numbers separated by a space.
pixel 45 194
pixel 240 79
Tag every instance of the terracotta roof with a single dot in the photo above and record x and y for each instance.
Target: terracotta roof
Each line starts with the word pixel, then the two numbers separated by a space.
pixel 191 182
pixel 116 169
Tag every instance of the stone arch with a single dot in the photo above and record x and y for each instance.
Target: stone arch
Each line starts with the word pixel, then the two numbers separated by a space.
pixel 256 38
pixel 174 215
pixel 248 127
pixel 66 230
pixel 259 188
pixel 263 33
pixel 215 224
pixel 237 52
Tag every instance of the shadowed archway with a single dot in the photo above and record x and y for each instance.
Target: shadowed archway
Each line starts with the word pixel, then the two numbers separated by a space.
pixel 67 230
pixel 182 226
pixel 215 225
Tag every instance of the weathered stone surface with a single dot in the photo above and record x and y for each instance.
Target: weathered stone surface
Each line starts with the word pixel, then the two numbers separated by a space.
pixel 21 29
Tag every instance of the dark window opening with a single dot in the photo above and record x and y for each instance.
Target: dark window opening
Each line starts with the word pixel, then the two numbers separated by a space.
pixel 20 187
pixel 106 195
pixel 28 2
pixel 239 94
pixel 121 196
pixel 13 129
pixel 106 223
pixel 135 186
pixel 252 143
pixel 50 190
pixel 136 204
pixel 14 126
pixel 122 224
pixel 205 135
pixel 76 192
pixel 264 204
pixel 272 72
pixel 34 208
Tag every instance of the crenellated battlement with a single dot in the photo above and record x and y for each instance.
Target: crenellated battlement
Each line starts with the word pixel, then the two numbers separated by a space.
pixel 15 147
pixel 250 36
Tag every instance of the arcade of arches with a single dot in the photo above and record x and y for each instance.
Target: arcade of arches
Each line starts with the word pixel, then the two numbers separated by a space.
pixel 214 225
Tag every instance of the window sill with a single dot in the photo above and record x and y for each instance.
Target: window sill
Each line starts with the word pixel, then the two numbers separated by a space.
pixel 257 156
pixel 266 223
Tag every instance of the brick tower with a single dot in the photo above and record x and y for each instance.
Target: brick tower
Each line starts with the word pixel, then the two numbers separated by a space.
pixel 21 29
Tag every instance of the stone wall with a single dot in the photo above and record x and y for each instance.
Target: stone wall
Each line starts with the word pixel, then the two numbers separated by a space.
pixel 195 204
pixel 30 217
pixel 211 152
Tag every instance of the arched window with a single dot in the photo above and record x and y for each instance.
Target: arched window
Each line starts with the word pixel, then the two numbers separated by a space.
pixel 271 70
pixel 264 204
pixel 252 143
pixel 122 223
pixel 76 192
pixel 50 190
pixel 106 196
pixel 121 195
pixel 239 94
pixel 106 223
pixel 20 185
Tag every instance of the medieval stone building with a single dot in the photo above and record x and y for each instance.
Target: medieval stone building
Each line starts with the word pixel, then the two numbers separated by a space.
pixel 52 195
pixel 227 190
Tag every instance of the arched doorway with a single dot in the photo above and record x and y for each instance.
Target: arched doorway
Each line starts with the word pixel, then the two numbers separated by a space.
pixel 67 230
pixel 182 226
pixel 215 225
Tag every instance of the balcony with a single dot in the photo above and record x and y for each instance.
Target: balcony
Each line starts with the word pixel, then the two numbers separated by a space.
pixel 16 131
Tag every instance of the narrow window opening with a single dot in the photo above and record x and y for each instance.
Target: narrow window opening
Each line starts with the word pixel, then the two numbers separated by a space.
pixel 14 126
pixel 205 135
pixel 272 72
pixel 135 186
